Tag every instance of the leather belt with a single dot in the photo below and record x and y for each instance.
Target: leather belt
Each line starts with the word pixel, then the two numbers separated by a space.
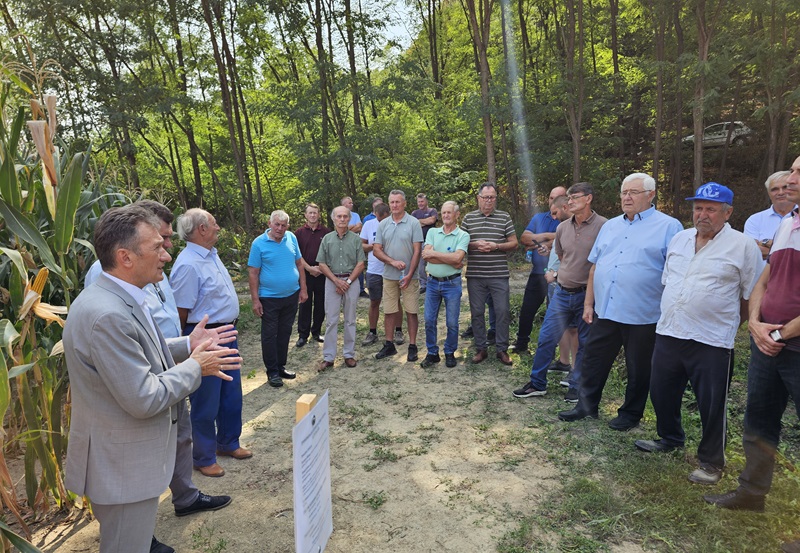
pixel 444 279
pixel 341 275
pixel 217 325
pixel 573 290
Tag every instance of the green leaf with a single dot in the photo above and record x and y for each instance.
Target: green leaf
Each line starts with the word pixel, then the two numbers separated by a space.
pixel 22 227
pixel 16 129
pixel 8 335
pixel 16 257
pixel 20 369
pixel 5 388
pixel 9 185
pixel 69 193
pixel 18 541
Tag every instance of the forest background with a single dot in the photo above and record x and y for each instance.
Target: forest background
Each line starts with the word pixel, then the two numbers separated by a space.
pixel 244 107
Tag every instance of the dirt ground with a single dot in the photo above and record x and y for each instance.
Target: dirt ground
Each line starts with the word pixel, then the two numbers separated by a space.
pixel 421 460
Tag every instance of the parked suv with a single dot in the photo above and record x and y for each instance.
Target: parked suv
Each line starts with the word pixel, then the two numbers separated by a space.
pixel 715 135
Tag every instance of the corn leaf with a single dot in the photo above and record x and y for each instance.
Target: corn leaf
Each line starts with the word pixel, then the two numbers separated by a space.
pixel 17 540
pixel 5 389
pixel 69 193
pixel 16 129
pixel 16 257
pixel 22 227
pixel 8 335
pixel 9 185
pixel 20 369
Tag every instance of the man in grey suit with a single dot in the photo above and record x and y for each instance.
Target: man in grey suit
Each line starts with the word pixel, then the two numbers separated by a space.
pixel 122 440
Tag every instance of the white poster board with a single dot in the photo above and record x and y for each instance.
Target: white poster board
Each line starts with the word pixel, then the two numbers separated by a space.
pixel 313 510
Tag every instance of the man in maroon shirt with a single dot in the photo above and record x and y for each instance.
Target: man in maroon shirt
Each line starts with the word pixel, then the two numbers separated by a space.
pixel 775 357
pixel 309 237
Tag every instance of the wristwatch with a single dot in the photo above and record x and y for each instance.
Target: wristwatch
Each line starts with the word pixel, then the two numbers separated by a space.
pixel 348 281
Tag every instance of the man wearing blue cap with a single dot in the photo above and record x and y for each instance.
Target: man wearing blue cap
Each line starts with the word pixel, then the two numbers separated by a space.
pixel 709 273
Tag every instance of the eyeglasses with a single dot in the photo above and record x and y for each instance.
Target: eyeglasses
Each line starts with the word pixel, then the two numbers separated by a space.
pixel 488 198
pixel 631 193
pixel 160 292
pixel 572 197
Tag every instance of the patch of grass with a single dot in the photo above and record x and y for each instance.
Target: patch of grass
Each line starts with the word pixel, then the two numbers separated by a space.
pixel 382 454
pixel 374 499
pixel 203 539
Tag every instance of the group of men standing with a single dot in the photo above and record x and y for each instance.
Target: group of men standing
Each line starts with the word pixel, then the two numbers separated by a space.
pixel 672 298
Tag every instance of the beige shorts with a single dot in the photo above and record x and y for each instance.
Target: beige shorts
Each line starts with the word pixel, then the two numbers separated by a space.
pixel 392 296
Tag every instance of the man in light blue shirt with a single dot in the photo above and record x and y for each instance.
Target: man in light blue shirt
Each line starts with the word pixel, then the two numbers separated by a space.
pixel 624 291
pixel 277 286
pixel 762 225
pixel 202 286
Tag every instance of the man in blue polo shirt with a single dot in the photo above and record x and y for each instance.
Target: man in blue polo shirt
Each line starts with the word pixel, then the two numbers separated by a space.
pixel 277 285
pixel 628 256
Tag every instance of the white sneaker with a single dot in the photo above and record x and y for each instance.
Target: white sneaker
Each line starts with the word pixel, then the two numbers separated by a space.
pixel 707 475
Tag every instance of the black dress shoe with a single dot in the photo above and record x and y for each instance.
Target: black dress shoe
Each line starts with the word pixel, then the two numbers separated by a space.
pixel 467 332
pixel 204 503
pixel 575 415
pixel 289 375
pixel 318 338
pixel 449 360
pixel 158 547
pixel 275 381
pixel 655 446
pixel 622 425
pixel 301 342
pixel 737 500
pixel 519 348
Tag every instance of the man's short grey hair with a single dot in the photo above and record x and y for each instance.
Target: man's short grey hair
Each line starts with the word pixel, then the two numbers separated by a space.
pixel 397 192
pixel 452 204
pixel 422 195
pixel 279 215
pixel 774 177
pixel 581 188
pixel 189 221
pixel 648 182
pixel 333 211
pixel 723 205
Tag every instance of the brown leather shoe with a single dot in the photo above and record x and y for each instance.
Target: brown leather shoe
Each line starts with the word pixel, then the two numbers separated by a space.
pixel 350 362
pixel 213 471
pixel 238 453
pixel 480 356
pixel 324 365
pixel 504 358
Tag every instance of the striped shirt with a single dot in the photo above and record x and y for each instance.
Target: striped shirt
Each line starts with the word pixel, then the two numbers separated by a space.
pixel 495 227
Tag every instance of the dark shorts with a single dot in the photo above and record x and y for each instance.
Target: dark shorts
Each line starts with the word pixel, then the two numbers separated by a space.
pixel 375 287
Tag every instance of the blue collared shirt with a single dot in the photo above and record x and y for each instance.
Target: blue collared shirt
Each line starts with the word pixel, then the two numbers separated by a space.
pixel 163 310
pixel 202 285
pixel 278 275
pixel 541 223
pixel 629 258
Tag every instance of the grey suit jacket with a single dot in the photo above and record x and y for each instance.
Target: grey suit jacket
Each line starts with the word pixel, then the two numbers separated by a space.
pixel 122 440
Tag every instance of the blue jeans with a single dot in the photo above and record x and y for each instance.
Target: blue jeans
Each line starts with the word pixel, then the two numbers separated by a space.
pixel 216 413
pixel 565 308
pixel 770 382
pixel 450 292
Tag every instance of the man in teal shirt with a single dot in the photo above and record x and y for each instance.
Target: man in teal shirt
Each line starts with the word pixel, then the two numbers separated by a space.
pixel 444 251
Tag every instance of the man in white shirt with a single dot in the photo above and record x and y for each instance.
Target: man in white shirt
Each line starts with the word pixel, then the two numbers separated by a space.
pixel 762 225
pixel 709 273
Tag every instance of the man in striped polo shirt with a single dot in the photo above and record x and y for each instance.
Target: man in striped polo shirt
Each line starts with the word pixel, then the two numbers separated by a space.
pixel 491 237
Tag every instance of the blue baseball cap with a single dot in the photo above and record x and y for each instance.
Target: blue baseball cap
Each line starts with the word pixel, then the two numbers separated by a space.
pixel 714 192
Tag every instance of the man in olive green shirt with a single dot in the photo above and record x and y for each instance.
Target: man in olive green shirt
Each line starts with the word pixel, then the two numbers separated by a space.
pixel 341 260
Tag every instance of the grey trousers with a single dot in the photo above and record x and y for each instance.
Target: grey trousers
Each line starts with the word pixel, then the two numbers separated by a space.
pixel 334 303
pixel 184 492
pixel 128 527
pixel 479 289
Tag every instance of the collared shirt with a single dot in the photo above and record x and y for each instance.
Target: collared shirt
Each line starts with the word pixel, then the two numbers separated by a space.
pixel 202 285
pixel 368 217
pixel 446 242
pixel 629 260
pixel 702 292
pixel 138 295
pixel 368 232
pixel 163 309
pixel 764 224
pixel 539 224
pixel 279 276
pixel 397 240
pixel 495 227
pixel 424 214
pixel 572 245
pixel 355 218
pixel 341 253
pixel 309 240
pixel 781 301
